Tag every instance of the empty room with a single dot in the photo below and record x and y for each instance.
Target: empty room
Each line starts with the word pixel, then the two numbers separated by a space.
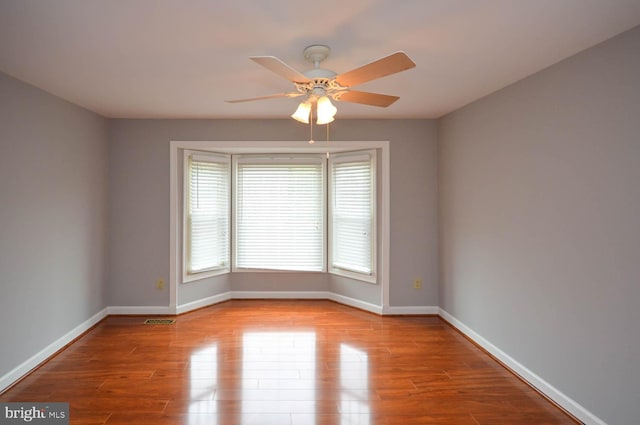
pixel 370 212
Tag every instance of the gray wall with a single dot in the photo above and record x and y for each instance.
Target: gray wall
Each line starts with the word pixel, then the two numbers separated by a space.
pixel 540 224
pixel 139 215
pixel 414 214
pixel 53 216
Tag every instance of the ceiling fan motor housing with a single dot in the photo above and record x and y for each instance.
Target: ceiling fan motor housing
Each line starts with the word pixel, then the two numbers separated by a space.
pixel 321 87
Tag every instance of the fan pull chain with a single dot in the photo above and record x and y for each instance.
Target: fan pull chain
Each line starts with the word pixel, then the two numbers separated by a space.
pixel 328 141
pixel 311 141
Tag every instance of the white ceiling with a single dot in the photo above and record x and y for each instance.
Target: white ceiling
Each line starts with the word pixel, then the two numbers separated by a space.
pixel 182 59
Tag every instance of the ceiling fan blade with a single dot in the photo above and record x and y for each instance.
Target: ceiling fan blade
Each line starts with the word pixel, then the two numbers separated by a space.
pixel 388 65
pixel 274 64
pixel 272 96
pixel 373 99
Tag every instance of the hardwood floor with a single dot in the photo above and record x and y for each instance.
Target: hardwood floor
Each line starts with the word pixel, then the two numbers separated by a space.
pixel 277 362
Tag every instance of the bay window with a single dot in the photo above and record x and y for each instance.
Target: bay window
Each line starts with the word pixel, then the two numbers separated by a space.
pixel 280 212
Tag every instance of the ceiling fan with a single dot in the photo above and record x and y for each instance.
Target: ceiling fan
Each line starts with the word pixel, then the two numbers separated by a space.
pixel 319 85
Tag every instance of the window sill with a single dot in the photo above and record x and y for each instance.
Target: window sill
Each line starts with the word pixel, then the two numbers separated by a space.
pixel 204 275
pixel 371 279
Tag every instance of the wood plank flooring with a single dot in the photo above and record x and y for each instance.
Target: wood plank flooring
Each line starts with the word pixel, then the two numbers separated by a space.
pixel 282 362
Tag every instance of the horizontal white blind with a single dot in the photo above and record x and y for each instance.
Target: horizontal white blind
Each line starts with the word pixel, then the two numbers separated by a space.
pixel 280 214
pixel 352 213
pixel 207 213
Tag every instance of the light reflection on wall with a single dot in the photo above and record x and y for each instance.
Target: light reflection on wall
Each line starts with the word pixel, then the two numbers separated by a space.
pixel 284 365
pixel 203 382
pixel 354 386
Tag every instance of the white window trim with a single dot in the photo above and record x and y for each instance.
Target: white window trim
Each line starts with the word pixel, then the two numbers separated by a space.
pixel 175 255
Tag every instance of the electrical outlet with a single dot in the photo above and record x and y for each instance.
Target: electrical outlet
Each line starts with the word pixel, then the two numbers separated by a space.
pixel 160 284
pixel 417 284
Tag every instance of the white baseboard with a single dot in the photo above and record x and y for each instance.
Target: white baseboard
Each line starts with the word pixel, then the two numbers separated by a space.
pixel 534 380
pixel 300 295
pixel 309 295
pixel 206 302
pixel 408 310
pixel 14 375
pixel 319 295
pixel 140 310
pixel 352 302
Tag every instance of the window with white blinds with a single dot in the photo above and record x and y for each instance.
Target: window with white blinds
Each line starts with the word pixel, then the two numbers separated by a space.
pixel 207 235
pixel 352 208
pixel 278 216
pixel 279 213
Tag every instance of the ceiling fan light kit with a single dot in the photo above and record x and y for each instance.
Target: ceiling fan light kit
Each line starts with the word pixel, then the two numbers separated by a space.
pixel 320 85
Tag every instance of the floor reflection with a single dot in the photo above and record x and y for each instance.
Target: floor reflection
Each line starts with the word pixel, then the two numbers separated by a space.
pixel 203 382
pixel 354 386
pixel 284 378
pixel 284 365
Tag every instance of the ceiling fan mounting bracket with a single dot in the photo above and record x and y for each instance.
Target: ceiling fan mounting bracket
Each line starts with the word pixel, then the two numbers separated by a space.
pixel 316 53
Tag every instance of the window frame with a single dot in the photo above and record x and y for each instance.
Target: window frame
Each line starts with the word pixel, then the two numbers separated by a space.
pixel 274 158
pixel 176 148
pixel 342 157
pixel 213 271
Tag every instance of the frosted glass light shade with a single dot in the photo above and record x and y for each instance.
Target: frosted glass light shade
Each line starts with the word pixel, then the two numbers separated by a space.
pixel 326 110
pixel 302 113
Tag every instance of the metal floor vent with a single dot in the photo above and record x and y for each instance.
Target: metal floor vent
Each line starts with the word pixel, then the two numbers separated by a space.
pixel 159 321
